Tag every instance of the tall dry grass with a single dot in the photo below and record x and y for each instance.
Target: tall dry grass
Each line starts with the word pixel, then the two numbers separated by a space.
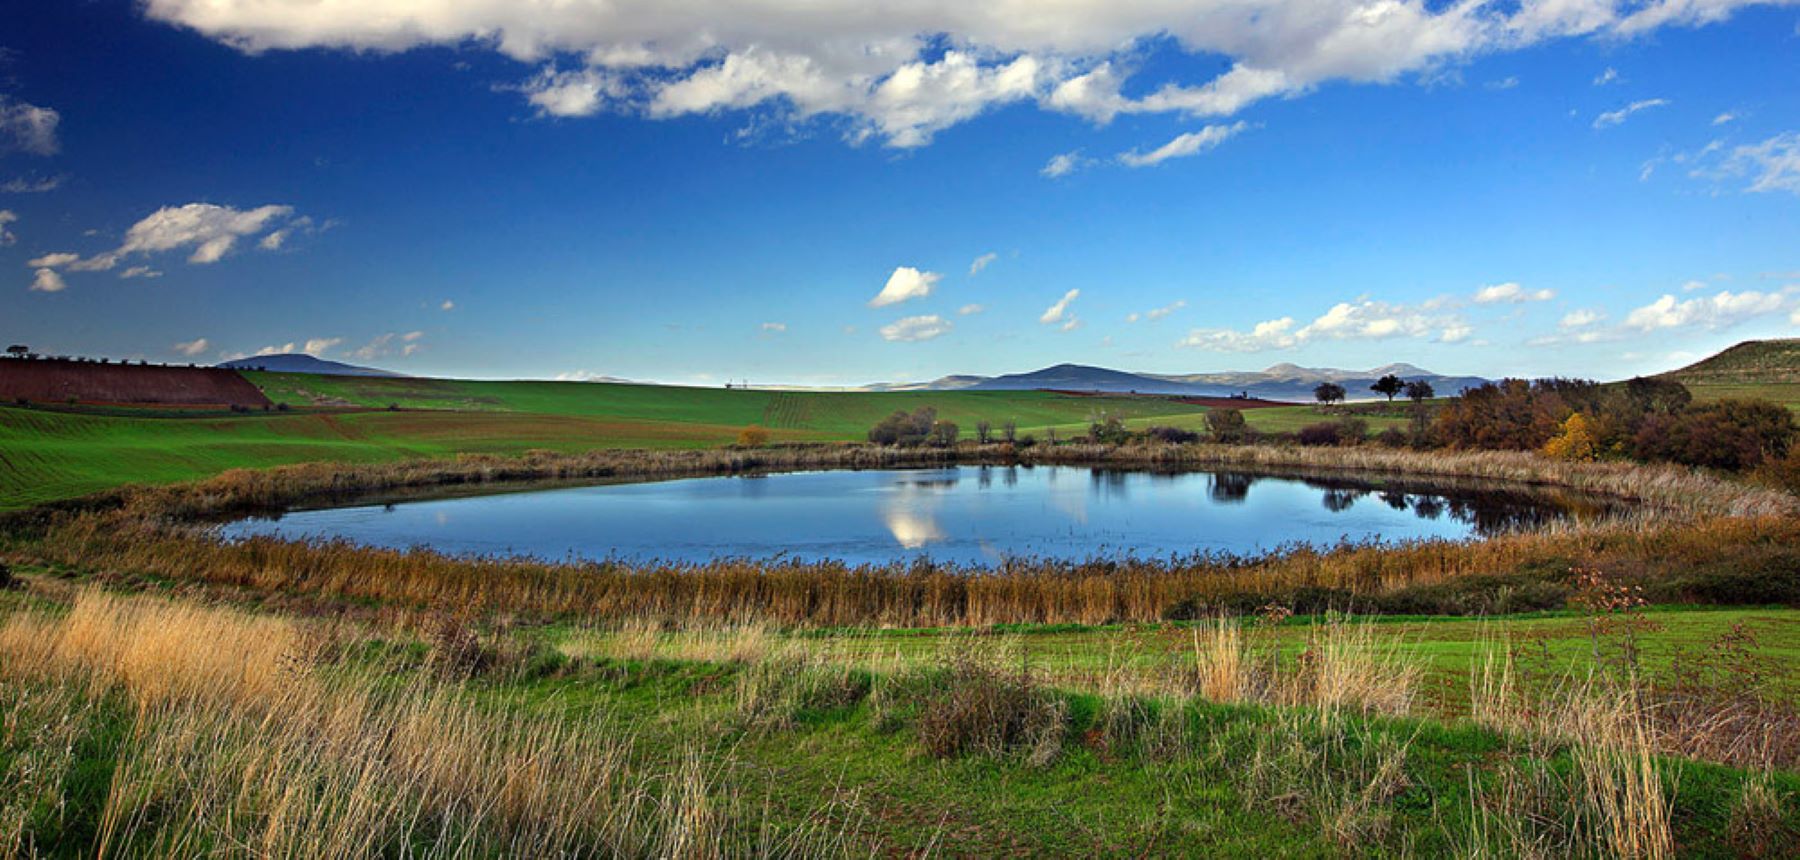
pixel 242 743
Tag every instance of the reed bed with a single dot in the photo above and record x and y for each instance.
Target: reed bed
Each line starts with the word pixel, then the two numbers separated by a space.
pixel 797 594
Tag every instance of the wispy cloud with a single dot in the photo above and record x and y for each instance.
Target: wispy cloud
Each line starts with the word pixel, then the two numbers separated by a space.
pixel 1609 76
pixel 1056 312
pixel 915 329
pixel 1192 143
pixel 1062 165
pixel 1156 313
pixel 27 127
pixel 1616 117
pixel 982 262
pixel 970 310
pixel 7 219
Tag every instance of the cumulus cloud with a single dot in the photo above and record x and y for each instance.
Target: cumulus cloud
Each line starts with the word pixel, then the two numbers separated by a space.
pixel 7 236
pixel 53 261
pixel 1062 165
pixel 970 310
pixel 1511 293
pixel 1192 143
pixel 1363 319
pixel 915 329
pixel 140 272
pixel 903 71
pixel 1056 312
pixel 1720 310
pixel 191 348
pixel 47 281
pixel 905 284
pixel 982 262
pixel 1616 117
pixel 209 230
pixel 1156 313
pixel 1580 318
pixel 27 128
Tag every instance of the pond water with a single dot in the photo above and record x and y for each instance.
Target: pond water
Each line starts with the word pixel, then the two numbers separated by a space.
pixel 968 515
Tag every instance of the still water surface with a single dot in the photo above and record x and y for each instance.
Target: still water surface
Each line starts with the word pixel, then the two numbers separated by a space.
pixel 970 515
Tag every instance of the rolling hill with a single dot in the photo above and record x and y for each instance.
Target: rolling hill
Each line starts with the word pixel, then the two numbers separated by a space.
pixel 299 362
pixel 1749 363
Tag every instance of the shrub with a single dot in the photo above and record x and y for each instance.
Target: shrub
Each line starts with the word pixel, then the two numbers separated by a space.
pixel 943 433
pixel 974 706
pixel 1393 437
pixel 1173 435
pixel 1576 441
pixel 753 436
pixel 1728 434
pixel 1108 431
pixel 1345 431
pixel 903 428
pixel 1227 425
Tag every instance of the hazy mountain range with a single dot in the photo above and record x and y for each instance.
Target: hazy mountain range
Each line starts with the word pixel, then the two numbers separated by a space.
pixel 1280 382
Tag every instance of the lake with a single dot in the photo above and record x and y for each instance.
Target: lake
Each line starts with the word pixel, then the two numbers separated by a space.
pixel 966 515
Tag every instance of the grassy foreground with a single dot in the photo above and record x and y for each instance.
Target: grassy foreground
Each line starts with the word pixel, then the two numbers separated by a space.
pixel 175 726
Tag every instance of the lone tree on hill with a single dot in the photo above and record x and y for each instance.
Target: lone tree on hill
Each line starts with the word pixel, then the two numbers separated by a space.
pixel 1329 393
pixel 18 350
pixel 1389 385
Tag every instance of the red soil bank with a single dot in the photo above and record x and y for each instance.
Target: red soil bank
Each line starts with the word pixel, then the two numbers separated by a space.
pixel 57 381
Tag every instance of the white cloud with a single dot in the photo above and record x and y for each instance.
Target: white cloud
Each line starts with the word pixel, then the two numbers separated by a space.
pixel 448 305
pixel 47 281
pixel 27 127
pixel 1724 118
pixel 904 284
pixel 382 345
pixel 579 92
pixel 982 262
pixel 903 71
pixel 1363 319
pixel 1610 76
pixel 1720 310
pixel 53 261
pixel 1511 293
pixel 1580 318
pixel 31 184
pixel 1156 313
pixel 1505 83
pixel 1772 165
pixel 915 329
pixel 318 345
pixel 970 310
pixel 191 348
pixel 1192 143
pixel 210 230
pixel 1062 165
pixel 1055 313
pixel 140 272
pixel 8 237
pixel 1693 286
pixel 1615 117
pixel 774 326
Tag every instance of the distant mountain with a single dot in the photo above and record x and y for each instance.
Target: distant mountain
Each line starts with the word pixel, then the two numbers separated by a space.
pixel 1280 382
pixel 1749 363
pixel 296 362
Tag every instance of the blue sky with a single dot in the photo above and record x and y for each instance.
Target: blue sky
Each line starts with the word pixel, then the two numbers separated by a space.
pixel 850 193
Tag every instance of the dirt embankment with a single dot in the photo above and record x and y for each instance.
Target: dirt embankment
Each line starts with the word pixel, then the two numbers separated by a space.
pixel 59 381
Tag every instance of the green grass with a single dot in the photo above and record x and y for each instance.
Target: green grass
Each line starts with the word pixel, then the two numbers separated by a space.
pixel 48 455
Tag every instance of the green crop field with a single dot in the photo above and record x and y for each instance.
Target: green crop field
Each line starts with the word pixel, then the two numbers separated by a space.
pixel 49 455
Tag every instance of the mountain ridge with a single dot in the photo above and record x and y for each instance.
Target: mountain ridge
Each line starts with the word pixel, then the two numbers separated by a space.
pixel 300 362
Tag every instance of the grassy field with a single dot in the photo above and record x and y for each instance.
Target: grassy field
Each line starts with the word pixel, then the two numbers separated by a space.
pixel 49 455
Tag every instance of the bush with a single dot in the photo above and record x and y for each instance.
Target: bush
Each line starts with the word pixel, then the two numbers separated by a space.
pixel 903 428
pixel 1227 425
pixel 1173 435
pixel 1393 437
pixel 1108 431
pixel 943 433
pixel 753 436
pixel 1345 431
pixel 1576 441
pixel 1728 434
pixel 974 706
